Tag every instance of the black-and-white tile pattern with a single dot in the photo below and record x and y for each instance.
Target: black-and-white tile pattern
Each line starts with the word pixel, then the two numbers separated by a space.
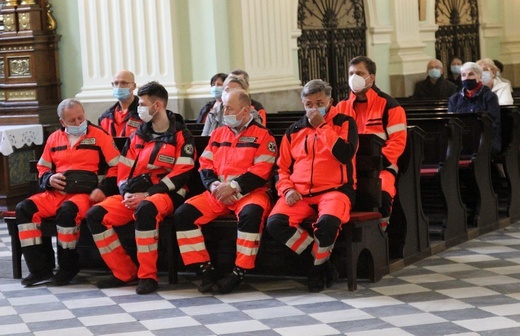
pixel 471 289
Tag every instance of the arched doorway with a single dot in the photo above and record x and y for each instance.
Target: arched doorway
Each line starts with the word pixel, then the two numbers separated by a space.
pixel 333 32
pixel 458 33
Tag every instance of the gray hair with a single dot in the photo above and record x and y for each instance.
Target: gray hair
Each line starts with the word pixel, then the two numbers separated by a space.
pixel 66 104
pixel 235 79
pixel 473 66
pixel 315 86
pixel 241 73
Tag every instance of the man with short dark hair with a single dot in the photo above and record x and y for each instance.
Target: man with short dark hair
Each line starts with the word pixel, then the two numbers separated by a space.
pixel 377 113
pixel 154 168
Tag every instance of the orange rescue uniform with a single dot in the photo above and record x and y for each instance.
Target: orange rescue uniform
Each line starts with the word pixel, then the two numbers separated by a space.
pixel 319 163
pixel 92 152
pixel 246 157
pixel 381 115
pixel 169 160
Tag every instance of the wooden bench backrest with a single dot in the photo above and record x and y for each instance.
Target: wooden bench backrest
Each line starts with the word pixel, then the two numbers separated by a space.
pixel 368 166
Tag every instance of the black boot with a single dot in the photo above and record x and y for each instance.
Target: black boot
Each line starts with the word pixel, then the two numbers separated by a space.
pixel 316 279
pixel 39 259
pixel 209 277
pixel 227 284
pixel 68 261
pixel 331 273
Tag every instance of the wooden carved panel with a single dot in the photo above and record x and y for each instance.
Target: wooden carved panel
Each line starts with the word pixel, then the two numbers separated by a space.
pixel 20 67
pixel 9 22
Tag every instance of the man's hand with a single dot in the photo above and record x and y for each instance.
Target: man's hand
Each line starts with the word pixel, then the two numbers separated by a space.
pixel 131 200
pixel 57 181
pixel 223 192
pixel 292 196
pixel 97 196
pixel 315 118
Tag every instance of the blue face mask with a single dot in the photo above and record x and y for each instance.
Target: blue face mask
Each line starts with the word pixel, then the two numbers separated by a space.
pixel 434 73
pixel 322 110
pixel 455 69
pixel 216 91
pixel 121 93
pixel 77 130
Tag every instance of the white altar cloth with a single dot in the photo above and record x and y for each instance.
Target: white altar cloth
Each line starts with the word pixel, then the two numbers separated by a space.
pixel 19 135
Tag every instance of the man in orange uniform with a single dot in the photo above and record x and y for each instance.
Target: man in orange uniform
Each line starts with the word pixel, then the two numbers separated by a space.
pixel 79 146
pixel 235 168
pixel 377 113
pixel 121 119
pixel 316 175
pixel 162 149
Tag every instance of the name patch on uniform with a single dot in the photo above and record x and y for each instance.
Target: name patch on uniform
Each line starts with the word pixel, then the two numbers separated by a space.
pixel 133 123
pixel 88 141
pixel 166 158
pixel 247 139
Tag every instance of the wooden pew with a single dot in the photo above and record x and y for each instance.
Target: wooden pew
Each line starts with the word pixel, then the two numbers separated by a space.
pixel 441 196
pixel 474 166
pixel 361 249
pixel 509 158
pixel 408 232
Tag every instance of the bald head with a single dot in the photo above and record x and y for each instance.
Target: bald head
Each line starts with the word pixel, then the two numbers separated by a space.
pixel 124 86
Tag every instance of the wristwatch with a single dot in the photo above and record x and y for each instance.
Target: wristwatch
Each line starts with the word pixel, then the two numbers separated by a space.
pixel 146 194
pixel 234 185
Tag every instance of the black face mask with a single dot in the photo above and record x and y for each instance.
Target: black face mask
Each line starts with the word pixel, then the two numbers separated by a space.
pixel 469 84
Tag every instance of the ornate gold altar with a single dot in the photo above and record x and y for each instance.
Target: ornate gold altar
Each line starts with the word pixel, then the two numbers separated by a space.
pixel 29 87
pixel 29 71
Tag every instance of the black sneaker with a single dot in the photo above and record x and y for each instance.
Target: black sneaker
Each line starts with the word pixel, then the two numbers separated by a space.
pixel 227 284
pixel 114 282
pixel 316 279
pixel 36 277
pixel 209 277
pixel 63 277
pixel 146 286
pixel 331 273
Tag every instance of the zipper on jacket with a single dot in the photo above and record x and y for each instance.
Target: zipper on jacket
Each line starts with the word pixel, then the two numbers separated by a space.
pixel 312 163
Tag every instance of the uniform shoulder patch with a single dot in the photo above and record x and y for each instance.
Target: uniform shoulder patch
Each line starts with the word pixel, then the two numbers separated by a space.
pixel 188 149
pixel 271 146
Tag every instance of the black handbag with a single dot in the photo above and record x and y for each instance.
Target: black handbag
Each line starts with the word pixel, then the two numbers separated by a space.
pixel 80 181
pixel 139 183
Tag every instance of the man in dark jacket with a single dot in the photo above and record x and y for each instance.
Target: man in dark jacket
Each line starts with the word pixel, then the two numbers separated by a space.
pixel 434 86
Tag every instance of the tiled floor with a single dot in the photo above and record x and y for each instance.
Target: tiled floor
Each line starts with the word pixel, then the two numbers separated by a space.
pixel 473 289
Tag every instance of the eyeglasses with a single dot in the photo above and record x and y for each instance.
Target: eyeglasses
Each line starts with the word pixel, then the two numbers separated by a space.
pixel 121 84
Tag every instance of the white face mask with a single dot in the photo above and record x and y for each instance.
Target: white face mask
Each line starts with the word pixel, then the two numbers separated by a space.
pixel 144 113
pixel 231 120
pixel 77 130
pixel 486 77
pixel 357 83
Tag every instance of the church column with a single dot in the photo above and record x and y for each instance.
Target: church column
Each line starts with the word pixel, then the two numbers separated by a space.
pixel 510 43
pixel 137 35
pixel 408 58
pixel 264 44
